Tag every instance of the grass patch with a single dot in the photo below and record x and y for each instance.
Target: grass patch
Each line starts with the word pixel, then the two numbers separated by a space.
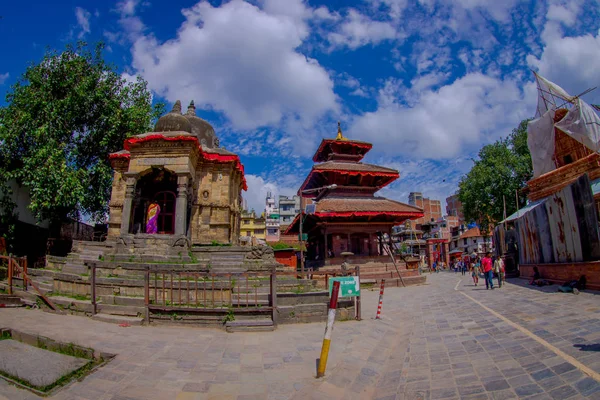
pixel 68 349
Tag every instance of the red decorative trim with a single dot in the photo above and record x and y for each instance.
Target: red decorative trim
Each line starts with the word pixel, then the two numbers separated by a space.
pixel 324 142
pixel 135 140
pixel 350 172
pixel 115 156
pixel 394 175
pixel 208 156
pixel 368 214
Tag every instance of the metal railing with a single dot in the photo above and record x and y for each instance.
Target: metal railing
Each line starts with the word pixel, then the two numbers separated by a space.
pixel 17 269
pixel 172 290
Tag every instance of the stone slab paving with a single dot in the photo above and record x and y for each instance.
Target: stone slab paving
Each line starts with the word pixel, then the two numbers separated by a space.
pixel 433 342
pixel 37 366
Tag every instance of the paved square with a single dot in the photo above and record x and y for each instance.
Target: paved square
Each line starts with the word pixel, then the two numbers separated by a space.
pixel 446 340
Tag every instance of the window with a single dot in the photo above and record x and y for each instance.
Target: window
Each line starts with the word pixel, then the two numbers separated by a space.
pixel 248 233
pixel 246 222
pixel 568 159
pixel 465 242
pixel 259 231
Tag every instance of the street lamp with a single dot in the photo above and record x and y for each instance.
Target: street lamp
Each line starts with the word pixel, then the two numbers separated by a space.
pixel 333 186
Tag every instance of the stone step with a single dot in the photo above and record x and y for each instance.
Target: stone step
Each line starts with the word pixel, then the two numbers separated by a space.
pixel 115 309
pixel 75 268
pixel 118 319
pixel 72 304
pixel 253 325
pixel 122 300
pixel 7 300
pixel 36 272
pixel 44 287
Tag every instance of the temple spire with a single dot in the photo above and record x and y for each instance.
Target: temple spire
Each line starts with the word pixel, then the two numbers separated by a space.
pixel 340 136
pixel 177 107
pixel 191 109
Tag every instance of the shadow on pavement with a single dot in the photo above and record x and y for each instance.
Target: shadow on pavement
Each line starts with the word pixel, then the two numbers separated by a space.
pixel 588 347
pixel 546 289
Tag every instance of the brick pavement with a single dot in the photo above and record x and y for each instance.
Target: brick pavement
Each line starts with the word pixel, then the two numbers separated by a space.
pixel 433 343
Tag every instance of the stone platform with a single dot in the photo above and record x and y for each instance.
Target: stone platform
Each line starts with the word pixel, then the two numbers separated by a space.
pixel 433 342
pixel 39 367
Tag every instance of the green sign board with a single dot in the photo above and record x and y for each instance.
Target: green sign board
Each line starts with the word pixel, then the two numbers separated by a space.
pixel 349 286
pixel 304 237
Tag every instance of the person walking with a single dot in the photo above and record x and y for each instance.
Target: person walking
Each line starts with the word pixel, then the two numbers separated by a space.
pixel 499 270
pixel 463 267
pixel 486 264
pixel 475 271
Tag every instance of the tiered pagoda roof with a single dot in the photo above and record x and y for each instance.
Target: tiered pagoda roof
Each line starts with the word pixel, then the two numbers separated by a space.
pixel 352 199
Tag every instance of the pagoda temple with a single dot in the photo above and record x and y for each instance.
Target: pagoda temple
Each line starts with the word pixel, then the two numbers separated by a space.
pixel 344 213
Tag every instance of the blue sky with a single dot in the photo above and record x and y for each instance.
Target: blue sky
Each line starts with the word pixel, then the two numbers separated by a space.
pixel 428 82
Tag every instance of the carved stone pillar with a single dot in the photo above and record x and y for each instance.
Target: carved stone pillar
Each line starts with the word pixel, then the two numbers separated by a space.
pixel 126 215
pixel 181 205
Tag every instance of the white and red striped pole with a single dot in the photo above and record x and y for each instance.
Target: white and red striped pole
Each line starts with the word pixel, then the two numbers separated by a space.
pixel 380 299
pixel 328 329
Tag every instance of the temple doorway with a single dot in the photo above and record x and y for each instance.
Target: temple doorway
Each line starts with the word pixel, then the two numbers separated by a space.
pixel 158 187
pixel 359 244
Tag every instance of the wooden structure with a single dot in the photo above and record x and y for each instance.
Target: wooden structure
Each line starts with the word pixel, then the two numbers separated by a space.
pixel 347 215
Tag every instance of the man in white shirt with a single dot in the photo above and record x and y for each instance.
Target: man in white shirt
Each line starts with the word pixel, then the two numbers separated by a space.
pixel 499 270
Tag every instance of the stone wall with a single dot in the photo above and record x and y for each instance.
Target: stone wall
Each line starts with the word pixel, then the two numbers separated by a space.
pixel 215 209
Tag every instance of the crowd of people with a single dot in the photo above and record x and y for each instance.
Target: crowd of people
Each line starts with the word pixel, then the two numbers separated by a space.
pixel 487 266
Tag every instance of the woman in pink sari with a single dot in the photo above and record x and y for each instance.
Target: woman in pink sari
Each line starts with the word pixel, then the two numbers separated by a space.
pixel 152 225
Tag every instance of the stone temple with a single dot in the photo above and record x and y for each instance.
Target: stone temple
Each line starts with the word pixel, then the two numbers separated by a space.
pixel 176 186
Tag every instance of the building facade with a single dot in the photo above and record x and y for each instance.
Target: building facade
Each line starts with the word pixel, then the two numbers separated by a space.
pixel 289 207
pixel 470 241
pixel 454 208
pixel 432 209
pixel 272 219
pixel 253 227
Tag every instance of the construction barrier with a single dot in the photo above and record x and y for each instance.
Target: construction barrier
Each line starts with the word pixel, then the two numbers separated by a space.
pixel 380 299
pixel 328 329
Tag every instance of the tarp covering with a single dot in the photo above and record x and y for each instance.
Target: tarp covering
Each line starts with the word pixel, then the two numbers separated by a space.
pixel 581 123
pixel 540 140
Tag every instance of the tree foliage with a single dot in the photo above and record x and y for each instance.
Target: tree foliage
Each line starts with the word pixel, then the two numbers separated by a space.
pixel 64 117
pixel 500 171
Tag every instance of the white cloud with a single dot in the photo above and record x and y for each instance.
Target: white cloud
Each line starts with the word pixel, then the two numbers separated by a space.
pixel 564 12
pixel 83 20
pixel 427 81
pixel 359 30
pixel 3 78
pixel 240 60
pixel 258 188
pixel 443 123
pixel 570 61
pixel 395 8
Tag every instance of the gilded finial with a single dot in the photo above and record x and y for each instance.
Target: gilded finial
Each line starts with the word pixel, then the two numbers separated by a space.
pixel 340 136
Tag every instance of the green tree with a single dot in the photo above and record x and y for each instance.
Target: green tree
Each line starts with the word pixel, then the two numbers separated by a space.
pixel 500 170
pixel 64 117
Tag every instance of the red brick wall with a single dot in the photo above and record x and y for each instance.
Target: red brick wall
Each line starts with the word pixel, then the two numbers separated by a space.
pixel 286 257
pixel 561 273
